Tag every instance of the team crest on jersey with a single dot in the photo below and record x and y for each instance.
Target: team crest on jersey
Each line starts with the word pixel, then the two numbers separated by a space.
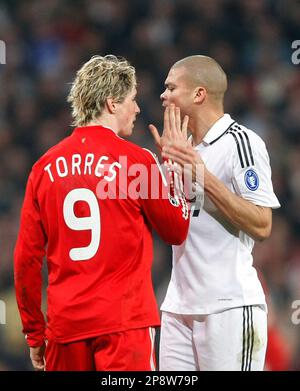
pixel 251 180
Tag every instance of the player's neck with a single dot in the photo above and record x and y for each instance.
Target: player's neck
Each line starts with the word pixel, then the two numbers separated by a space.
pixel 105 121
pixel 201 124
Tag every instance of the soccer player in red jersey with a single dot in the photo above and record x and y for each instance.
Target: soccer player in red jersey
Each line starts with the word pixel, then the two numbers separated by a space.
pixel 89 206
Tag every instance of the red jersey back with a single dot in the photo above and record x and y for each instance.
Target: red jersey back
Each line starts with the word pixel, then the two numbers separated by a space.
pixel 83 208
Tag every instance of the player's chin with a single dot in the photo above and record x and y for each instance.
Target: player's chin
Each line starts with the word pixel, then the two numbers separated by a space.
pixel 126 132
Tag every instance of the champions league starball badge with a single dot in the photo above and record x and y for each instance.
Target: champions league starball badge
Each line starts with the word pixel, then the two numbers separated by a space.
pixel 251 180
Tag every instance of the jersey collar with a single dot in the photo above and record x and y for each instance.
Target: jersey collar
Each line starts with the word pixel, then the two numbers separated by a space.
pixel 218 129
pixel 94 130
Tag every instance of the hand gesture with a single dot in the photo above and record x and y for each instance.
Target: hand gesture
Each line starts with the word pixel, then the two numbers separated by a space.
pixel 174 130
pixel 189 160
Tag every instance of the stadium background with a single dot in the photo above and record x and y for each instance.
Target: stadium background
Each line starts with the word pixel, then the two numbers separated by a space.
pixel 48 40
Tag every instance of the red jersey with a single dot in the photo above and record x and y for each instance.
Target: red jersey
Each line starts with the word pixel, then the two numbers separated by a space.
pixel 98 250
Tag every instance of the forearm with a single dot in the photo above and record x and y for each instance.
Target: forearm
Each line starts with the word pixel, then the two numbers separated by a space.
pixel 28 285
pixel 245 216
pixel 32 320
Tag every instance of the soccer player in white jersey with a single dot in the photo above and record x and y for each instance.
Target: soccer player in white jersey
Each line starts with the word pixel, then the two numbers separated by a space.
pixel 214 316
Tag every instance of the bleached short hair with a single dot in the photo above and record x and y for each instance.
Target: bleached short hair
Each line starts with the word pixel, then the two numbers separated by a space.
pixel 98 79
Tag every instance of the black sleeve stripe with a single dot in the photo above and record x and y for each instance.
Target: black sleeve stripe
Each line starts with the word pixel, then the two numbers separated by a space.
pixel 248 142
pixel 244 149
pixel 245 144
pixel 249 148
pixel 238 148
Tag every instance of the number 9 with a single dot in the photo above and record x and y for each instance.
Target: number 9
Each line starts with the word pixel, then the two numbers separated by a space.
pixel 83 223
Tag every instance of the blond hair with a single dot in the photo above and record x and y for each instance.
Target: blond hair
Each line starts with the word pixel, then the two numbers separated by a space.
pixel 97 80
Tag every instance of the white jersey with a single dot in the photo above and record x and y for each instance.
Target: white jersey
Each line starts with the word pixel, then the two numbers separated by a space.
pixel 213 269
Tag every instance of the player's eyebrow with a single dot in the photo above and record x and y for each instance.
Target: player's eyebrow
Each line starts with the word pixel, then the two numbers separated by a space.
pixel 169 85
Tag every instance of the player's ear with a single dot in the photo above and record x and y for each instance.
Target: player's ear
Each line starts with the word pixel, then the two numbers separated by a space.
pixel 199 95
pixel 111 105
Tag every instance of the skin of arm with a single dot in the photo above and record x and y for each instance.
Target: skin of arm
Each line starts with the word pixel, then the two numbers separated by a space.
pixel 37 357
pixel 252 219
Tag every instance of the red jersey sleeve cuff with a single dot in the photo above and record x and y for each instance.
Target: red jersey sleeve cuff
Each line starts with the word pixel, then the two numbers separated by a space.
pixel 34 341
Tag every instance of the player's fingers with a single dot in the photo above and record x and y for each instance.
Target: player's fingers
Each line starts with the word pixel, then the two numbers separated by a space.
pixel 167 121
pixel 38 365
pixel 190 142
pixel 186 153
pixel 177 156
pixel 185 126
pixel 172 117
pixel 187 150
pixel 174 158
pixel 178 120
pixel 177 147
pixel 155 134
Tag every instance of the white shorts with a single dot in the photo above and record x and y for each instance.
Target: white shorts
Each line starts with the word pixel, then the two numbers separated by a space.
pixel 232 340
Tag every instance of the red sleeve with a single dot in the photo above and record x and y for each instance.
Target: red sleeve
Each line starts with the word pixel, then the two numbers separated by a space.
pixel 28 259
pixel 165 207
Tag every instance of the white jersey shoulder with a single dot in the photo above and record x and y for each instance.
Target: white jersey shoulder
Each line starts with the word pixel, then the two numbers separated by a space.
pixel 250 165
pixel 245 144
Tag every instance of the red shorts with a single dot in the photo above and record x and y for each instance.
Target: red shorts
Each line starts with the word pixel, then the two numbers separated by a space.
pixel 131 350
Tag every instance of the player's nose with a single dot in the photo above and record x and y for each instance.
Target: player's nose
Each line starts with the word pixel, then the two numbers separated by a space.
pixel 163 96
pixel 137 108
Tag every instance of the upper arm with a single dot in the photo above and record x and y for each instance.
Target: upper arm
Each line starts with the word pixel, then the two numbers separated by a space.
pixel 30 246
pixel 251 171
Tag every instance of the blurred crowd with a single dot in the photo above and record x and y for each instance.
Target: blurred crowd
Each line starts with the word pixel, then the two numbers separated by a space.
pixel 48 40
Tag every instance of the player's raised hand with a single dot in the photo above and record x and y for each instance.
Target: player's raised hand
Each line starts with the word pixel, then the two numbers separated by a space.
pixel 178 129
pixel 173 131
pixel 190 161
pixel 165 138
